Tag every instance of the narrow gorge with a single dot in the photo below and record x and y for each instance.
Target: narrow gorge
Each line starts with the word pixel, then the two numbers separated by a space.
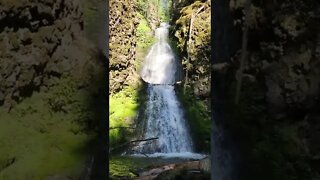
pixel 157 119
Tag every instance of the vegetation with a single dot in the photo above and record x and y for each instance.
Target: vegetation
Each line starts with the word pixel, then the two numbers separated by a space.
pixel 155 10
pixel 50 114
pixel 145 39
pixel 124 166
pixel 197 114
pixel 144 33
pixel 274 123
pixel 127 102
pixel 164 11
pixel 122 112
pixel 124 105
pixel 196 110
pixel 196 67
pixel 45 134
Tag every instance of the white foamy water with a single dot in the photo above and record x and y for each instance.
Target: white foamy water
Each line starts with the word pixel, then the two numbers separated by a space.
pixel 163 113
pixel 166 122
pixel 160 65
pixel 186 155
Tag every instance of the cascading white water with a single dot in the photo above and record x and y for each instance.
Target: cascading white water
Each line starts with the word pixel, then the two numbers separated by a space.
pixel 160 66
pixel 164 116
pixel 165 120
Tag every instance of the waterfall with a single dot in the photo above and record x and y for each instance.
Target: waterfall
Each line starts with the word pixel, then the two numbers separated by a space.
pixel 164 114
pixel 160 65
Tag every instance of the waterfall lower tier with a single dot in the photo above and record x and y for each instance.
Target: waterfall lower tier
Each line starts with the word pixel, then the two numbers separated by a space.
pixel 165 121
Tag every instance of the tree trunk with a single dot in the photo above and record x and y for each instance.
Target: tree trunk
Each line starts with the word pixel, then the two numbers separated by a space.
pixel 188 56
pixel 198 165
pixel 187 46
pixel 243 51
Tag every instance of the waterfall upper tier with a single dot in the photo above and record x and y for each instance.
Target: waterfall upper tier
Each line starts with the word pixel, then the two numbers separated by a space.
pixel 161 65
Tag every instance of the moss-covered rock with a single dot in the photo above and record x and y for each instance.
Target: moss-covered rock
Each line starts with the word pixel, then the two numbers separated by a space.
pixel 194 51
pixel 280 90
pixel 50 79
pixel 195 48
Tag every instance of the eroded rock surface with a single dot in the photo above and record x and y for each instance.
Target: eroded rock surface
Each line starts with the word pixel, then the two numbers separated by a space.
pixel 40 40
pixel 122 44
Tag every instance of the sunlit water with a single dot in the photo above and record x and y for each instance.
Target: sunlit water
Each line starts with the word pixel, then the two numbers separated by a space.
pixel 160 65
pixel 164 114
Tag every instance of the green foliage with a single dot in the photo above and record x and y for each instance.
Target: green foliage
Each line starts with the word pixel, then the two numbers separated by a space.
pixel 144 33
pixel 142 7
pixel 154 9
pixel 278 155
pixel 120 166
pixel 42 142
pixel 61 95
pixel 47 133
pixel 199 119
pixel 145 39
pixel 164 14
pixel 122 111
pixel 67 97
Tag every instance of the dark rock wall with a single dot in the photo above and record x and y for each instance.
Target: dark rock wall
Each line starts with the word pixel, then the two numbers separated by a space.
pixel 274 125
pixel 40 41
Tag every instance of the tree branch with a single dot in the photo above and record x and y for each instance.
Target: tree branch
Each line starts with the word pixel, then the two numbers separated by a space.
pixel 220 66
pixel 130 142
pixel 121 127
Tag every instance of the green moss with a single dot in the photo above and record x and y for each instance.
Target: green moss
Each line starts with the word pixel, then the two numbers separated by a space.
pixel 89 12
pixel 125 167
pixel 42 142
pixel 145 39
pixel 144 33
pixel 47 133
pixel 199 119
pixel 121 166
pixel 123 109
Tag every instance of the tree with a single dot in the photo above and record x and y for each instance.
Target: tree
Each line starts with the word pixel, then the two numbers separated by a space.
pixel 243 50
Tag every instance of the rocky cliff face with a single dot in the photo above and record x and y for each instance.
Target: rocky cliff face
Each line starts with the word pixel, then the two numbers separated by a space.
pixel 195 44
pixel 122 44
pixel 190 36
pixel 51 77
pixel 274 125
pixel 40 41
